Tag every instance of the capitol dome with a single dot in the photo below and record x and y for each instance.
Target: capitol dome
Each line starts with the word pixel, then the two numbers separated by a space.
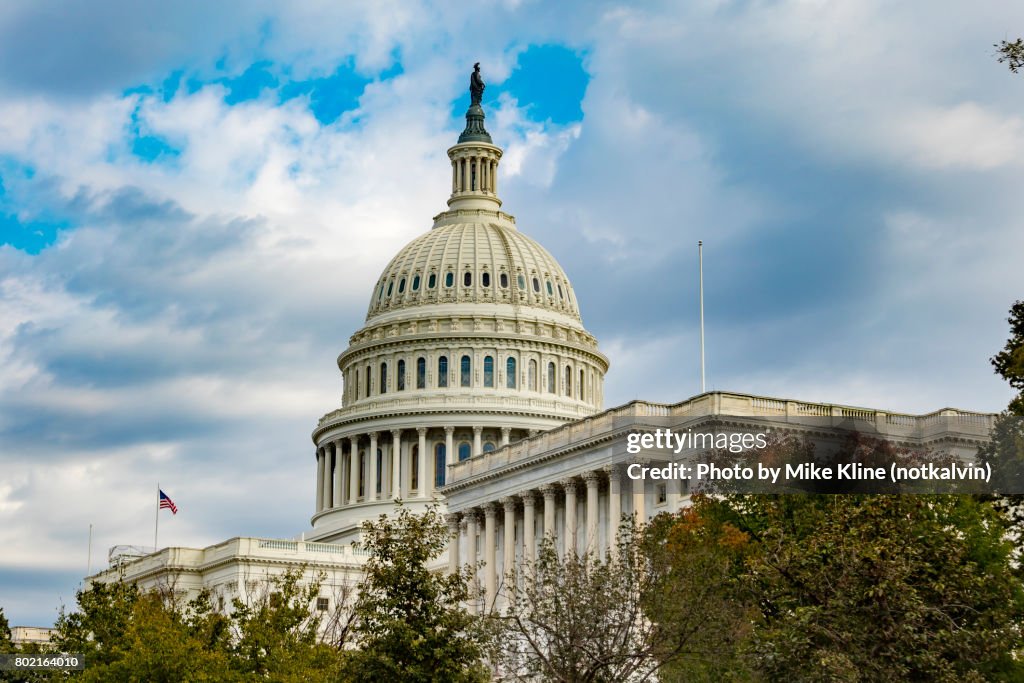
pixel 473 340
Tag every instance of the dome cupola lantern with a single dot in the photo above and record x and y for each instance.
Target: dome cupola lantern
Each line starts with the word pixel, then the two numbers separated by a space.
pixel 475 157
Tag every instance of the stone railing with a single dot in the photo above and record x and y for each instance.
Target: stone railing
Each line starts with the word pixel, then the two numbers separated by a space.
pixel 977 425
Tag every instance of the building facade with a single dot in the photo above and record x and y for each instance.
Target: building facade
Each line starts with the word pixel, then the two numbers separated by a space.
pixel 474 385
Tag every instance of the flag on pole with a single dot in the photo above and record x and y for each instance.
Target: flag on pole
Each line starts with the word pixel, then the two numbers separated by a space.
pixel 166 502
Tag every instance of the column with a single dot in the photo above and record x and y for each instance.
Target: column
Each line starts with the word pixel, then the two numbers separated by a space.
pixel 396 464
pixel 471 556
pixel 593 480
pixel 614 509
pixel 640 500
pixel 494 177
pixel 529 526
pixel 339 474
pixel 353 469
pixel 505 433
pixel 328 503
pixel 421 465
pixel 371 481
pixel 490 556
pixel 449 445
pixel 319 480
pixel 453 542
pixel 477 442
pixel 570 545
pixel 549 492
pixel 508 565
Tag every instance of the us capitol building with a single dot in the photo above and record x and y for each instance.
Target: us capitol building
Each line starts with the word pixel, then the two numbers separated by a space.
pixel 474 384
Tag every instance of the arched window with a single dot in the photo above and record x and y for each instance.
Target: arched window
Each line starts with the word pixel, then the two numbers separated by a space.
pixel 380 470
pixel 391 286
pixel 400 377
pixel 449 279
pixel 532 375
pixel 488 447
pixel 362 473
pixel 356 374
pixel 421 373
pixel 488 371
pixel 464 450
pixel 380 294
pixel 466 372
pixel 510 373
pixel 467 279
pixel 442 371
pixel 439 466
pixel 383 378
pixel 551 378
pixel 416 282
pixel 432 281
pixel 568 381
pixel 485 279
pixel 401 286
pixel 367 381
pixel 414 469
pixel 503 280
pixel 581 388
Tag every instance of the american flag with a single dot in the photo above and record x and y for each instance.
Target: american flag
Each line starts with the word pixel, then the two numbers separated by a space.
pixel 166 502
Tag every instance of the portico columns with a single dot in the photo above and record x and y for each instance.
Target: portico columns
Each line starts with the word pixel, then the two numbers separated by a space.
pixel 453 542
pixel 353 469
pixel 614 509
pixel 593 479
pixel 569 546
pixel 508 531
pixel 371 485
pixel 640 500
pixel 396 464
pixel 490 556
pixel 549 509
pixel 505 433
pixel 471 554
pixel 529 524
pixel 339 474
pixel 421 465
pixel 319 480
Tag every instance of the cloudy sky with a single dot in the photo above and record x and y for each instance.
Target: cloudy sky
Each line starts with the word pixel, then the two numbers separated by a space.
pixel 196 199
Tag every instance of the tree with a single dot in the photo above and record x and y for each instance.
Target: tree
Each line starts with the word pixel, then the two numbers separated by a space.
pixel 5 633
pixel 878 587
pixel 1011 53
pixel 1009 363
pixel 410 624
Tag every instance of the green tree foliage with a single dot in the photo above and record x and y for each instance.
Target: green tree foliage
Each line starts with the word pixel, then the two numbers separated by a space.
pixel 1011 53
pixel 410 625
pixel 1009 363
pixel 5 633
pixel 877 587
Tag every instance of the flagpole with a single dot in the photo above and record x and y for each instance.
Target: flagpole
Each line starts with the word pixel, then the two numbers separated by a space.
pixel 156 525
pixel 700 256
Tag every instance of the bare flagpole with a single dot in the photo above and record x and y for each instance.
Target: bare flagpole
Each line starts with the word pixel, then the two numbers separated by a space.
pixel 156 526
pixel 700 257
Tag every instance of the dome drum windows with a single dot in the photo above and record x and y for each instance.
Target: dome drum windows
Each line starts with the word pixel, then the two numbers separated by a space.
pixel 442 372
pixel 510 373
pixel 466 372
pixel 383 378
pixel 439 465
pixel 465 450
pixel 551 378
pixel 489 372
pixel 400 377
pixel 421 373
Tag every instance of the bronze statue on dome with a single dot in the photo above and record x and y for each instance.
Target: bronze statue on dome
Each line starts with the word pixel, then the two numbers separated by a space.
pixel 476 86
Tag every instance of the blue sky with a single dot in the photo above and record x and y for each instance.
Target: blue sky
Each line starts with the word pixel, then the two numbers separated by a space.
pixel 196 200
